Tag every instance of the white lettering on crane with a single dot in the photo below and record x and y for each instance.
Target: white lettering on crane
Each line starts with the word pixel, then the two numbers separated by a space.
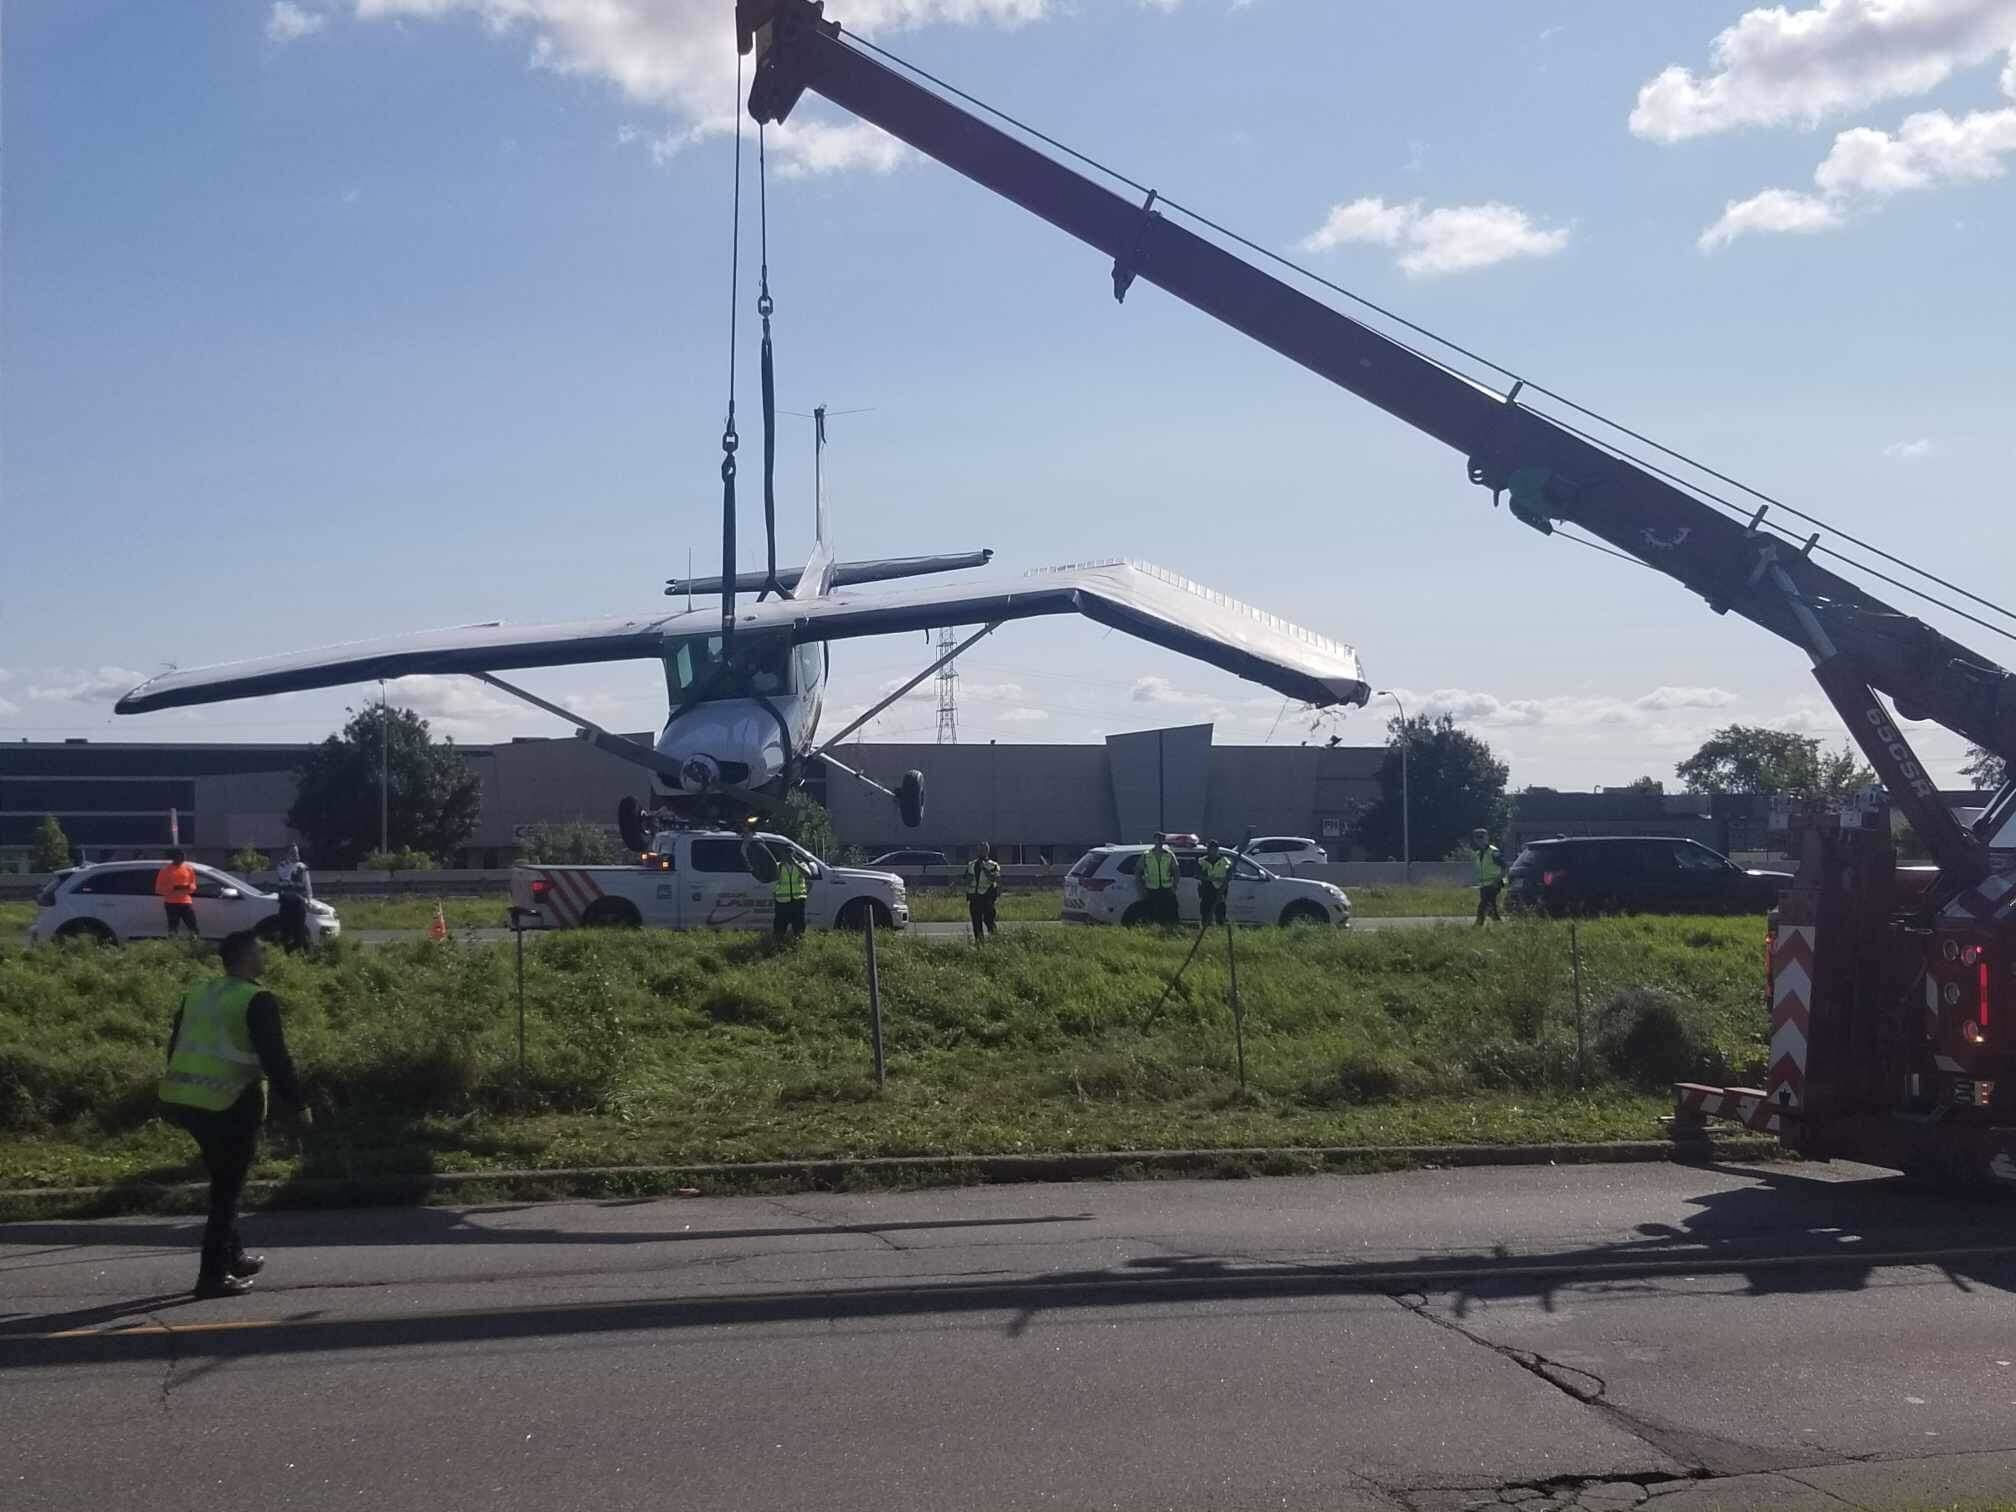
pixel 1894 745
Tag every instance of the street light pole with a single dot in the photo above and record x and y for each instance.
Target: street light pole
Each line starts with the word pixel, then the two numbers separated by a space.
pixel 384 772
pixel 1406 807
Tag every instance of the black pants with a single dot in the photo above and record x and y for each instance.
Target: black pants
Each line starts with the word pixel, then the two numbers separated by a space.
pixel 1487 902
pixel 228 1141
pixel 183 914
pixel 1210 904
pixel 1162 906
pixel 293 919
pixel 790 919
pixel 980 909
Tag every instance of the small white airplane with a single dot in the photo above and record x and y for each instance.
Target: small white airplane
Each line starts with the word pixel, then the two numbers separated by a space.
pixel 746 687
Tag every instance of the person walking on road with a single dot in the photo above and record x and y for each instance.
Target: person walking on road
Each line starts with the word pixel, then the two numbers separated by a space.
pixel 1490 874
pixel 983 891
pixel 225 1045
pixel 1214 876
pixel 789 892
pixel 296 888
pixel 1158 883
pixel 175 886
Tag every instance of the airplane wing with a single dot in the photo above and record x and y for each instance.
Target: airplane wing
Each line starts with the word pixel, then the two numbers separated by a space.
pixel 1147 602
pixel 491 647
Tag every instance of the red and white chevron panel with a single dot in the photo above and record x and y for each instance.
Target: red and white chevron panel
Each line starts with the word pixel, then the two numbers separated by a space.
pixel 569 893
pixel 1693 1103
pixel 1791 1015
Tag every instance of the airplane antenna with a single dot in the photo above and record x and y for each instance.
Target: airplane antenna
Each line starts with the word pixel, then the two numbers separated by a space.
pixel 689 579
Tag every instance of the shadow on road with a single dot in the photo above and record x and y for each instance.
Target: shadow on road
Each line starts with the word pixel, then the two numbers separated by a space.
pixel 1782 1233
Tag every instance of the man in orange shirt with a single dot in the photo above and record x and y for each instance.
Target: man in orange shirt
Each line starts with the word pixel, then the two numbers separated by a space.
pixel 175 886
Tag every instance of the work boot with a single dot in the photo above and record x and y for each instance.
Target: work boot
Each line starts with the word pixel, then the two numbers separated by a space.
pixel 247 1265
pixel 211 1287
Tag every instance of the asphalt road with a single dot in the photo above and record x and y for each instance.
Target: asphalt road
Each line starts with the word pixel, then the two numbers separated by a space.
pixel 1593 1336
pixel 928 931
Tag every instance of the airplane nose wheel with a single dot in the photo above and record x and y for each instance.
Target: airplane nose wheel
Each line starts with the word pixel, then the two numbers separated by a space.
pixel 910 798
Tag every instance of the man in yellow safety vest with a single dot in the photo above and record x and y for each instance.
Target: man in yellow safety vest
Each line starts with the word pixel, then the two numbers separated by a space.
pixel 1490 874
pixel 788 893
pixel 1158 883
pixel 225 1044
pixel 1214 876
pixel 983 891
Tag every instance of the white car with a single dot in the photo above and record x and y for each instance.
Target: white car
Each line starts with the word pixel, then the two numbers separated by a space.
pixel 1104 888
pixel 1285 853
pixel 700 879
pixel 113 902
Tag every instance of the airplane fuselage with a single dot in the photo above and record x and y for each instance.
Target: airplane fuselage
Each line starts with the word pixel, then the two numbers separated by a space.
pixel 735 721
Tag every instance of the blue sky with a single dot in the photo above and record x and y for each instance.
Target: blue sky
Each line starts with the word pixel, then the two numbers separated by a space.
pixel 323 320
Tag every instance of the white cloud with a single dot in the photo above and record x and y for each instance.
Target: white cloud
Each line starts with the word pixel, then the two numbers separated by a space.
pixel 1664 698
pixel 9 708
pixel 1451 239
pixel 1023 716
pixel 288 22
pixel 1651 717
pixel 65 685
pixel 1778 65
pixel 679 56
pixel 1771 210
pixel 1909 451
pixel 1930 148
pixel 1866 166
pixel 455 706
pixel 1155 689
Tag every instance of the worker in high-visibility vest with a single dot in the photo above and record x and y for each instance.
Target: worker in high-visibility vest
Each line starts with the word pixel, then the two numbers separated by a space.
pixel 225 1045
pixel 1214 876
pixel 1158 883
pixel 788 893
pixel 1490 874
pixel 983 891
pixel 175 886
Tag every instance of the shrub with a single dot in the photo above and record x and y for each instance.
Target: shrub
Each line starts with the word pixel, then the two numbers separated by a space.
pixel 397 861
pixel 1649 1037
pixel 247 859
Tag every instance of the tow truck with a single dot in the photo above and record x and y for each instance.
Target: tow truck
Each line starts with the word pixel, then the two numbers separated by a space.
pixel 705 879
pixel 1891 1001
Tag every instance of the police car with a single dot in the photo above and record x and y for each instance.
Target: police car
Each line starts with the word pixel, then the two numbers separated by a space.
pixel 113 902
pixel 1104 888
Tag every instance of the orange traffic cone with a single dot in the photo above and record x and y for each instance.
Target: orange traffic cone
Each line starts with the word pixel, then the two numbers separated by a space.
pixel 438 930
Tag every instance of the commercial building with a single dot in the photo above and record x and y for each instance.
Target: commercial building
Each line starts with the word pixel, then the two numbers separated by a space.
pixel 1033 802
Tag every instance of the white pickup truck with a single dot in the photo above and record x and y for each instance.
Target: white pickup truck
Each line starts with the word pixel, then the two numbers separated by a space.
pixel 700 879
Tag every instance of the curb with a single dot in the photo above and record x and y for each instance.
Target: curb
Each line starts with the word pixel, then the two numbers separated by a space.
pixel 889 1172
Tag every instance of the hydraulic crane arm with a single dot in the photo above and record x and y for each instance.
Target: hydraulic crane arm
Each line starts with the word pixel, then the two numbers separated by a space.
pixel 1856 641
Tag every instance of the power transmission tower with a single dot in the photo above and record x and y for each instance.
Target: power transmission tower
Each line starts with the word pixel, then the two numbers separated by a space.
pixel 948 690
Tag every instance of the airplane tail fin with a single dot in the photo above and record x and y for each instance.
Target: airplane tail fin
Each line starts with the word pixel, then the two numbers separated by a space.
pixel 817 578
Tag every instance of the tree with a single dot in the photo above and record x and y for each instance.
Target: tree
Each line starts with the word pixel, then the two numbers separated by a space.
pixel 1651 786
pixel 1985 769
pixel 50 849
pixel 805 820
pixel 433 799
pixel 1754 759
pixel 576 844
pixel 247 858
pixel 1454 784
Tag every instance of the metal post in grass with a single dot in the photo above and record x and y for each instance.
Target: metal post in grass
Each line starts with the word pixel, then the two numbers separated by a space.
pixel 875 1000
pixel 1238 1009
pixel 519 916
pixel 1575 965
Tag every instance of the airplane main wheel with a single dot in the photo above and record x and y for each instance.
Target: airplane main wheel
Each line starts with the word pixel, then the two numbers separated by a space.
pixel 630 825
pixel 910 798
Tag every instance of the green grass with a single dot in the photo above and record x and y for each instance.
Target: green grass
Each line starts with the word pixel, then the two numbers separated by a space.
pixel 656 1047
pixel 1433 900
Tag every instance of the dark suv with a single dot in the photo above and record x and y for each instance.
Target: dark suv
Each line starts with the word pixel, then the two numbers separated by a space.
pixel 1638 874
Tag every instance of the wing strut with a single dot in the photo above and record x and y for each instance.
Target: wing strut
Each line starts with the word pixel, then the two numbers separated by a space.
pixel 972 640
pixel 603 740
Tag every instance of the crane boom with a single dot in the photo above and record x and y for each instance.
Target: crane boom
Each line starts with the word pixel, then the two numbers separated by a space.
pixel 1856 641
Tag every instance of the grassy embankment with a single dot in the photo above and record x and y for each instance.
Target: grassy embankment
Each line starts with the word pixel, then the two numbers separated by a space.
pixel 667 1048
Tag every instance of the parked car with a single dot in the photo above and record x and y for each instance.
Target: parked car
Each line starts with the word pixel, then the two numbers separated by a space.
pixel 113 902
pixel 1636 873
pixel 910 860
pixel 1285 853
pixel 1102 889
pixel 700 879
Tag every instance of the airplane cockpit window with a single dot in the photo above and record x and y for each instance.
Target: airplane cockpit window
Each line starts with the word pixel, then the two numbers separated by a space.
pixel 758 665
